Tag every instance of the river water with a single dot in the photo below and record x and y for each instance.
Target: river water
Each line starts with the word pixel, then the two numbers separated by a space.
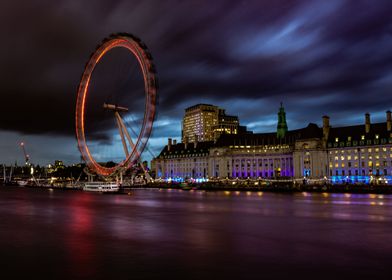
pixel 174 234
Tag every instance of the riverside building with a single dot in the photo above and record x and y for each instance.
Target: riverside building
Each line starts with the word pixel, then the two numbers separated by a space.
pixel 359 153
pixel 205 122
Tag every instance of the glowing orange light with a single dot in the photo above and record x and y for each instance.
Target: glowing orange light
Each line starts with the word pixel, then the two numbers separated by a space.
pixel 144 59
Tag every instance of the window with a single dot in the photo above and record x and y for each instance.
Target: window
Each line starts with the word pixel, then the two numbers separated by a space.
pixel 349 138
pixel 377 136
pixel 362 137
pixel 336 139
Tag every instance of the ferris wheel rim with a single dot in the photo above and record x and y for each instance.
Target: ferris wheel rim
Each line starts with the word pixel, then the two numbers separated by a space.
pixel 141 53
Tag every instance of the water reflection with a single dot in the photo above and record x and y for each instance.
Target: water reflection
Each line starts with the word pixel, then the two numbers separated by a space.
pixel 162 233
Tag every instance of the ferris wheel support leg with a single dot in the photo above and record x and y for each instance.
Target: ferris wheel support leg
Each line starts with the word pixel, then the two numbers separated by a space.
pixel 121 130
pixel 124 129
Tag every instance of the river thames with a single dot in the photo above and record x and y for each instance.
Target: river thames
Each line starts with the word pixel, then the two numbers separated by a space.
pixel 175 234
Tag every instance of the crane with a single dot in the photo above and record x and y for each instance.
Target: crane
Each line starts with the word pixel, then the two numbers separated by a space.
pixel 27 157
pixel 28 163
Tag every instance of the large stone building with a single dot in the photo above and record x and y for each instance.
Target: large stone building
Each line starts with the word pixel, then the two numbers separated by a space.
pixel 360 153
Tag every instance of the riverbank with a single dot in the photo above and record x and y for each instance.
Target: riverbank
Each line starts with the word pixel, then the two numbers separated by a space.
pixel 276 187
pixel 279 187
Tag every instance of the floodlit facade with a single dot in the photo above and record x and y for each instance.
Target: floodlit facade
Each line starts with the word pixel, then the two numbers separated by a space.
pixel 360 153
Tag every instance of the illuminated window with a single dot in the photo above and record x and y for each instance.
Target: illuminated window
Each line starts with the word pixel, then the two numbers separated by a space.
pixel 336 139
pixel 370 150
pixel 362 137
pixel 376 150
pixel 349 138
pixel 370 163
pixel 343 164
pixel 336 165
pixel 337 158
pixel 384 149
pixel 342 157
pixel 356 157
pixel 377 136
pixel 348 157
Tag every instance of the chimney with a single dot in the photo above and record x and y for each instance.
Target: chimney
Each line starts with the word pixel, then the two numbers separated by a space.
pixel 186 142
pixel 169 144
pixel 174 142
pixel 367 122
pixel 389 121
pixel 325 127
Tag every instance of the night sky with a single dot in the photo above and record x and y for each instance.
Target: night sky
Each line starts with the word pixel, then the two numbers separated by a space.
pixel 318 57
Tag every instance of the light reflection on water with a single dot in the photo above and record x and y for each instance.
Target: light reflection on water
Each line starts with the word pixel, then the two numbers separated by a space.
pixel 157 233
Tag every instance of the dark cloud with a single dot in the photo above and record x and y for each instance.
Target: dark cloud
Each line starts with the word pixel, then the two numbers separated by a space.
pixel 318 57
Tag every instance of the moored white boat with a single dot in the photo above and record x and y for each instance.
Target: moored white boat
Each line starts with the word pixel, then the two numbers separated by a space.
pixel 101 187
pixel 22 183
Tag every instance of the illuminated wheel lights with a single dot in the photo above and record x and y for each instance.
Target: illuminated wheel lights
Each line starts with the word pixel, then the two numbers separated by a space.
pixel 141 53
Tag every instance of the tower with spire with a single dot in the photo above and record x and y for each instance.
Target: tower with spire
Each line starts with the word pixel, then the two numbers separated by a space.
pixel 282 124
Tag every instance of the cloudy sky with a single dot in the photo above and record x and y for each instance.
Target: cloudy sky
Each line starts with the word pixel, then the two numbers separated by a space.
pixel 319 57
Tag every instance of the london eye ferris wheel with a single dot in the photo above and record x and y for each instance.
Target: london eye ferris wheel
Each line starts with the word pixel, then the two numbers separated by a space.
pixel 132 148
